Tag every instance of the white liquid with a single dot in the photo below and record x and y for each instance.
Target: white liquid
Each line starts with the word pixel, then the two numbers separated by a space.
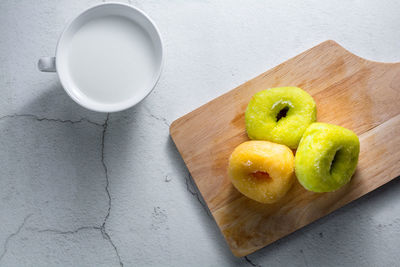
pixel 111 59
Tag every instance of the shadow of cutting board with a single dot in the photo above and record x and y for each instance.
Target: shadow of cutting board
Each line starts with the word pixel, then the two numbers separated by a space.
pixel 352 92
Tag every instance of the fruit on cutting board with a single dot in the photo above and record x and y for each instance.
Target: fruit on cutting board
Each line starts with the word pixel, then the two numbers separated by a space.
pixel 261 170
pixel 327 157
pixel 280 115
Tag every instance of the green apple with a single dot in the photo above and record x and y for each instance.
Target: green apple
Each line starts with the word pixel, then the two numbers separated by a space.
pixel 327 157
pixel 280 115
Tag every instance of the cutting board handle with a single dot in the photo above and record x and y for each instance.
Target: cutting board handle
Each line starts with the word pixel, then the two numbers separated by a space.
pixel 356 57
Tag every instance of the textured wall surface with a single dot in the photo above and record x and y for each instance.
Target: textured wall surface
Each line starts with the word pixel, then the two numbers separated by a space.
pixel 80 188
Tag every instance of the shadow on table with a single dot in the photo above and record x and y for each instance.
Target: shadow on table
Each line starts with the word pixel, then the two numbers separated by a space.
pixel 54 103
pixel 205 215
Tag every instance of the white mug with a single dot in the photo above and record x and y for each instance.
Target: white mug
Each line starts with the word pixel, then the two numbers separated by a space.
pixel 108 58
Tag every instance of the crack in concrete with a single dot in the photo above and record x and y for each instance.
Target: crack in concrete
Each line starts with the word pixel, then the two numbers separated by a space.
pixel 105 126
pixel 8 239
pixel 159 118
pixel 251 262
pixel 108 238
pixel 191 189
pixel 103 226
pixel 57 231
pixel 105 235
pixel 37 118
pixel 304 257
pixel 162 119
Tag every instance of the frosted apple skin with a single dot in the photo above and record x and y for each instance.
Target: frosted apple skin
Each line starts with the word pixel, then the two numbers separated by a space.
pixel 263 108
pixel 327 157
pixel 262 156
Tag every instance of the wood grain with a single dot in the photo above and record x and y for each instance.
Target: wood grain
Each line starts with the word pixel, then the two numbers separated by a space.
pixel 349 91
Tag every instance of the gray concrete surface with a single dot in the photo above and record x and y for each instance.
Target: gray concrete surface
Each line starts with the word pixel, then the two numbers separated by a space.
pixel 80 189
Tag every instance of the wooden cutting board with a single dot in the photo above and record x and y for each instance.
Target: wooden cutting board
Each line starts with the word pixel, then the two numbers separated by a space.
pixel 350 91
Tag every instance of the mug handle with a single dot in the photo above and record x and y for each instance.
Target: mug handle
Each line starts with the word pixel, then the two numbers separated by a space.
pixel 47 64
